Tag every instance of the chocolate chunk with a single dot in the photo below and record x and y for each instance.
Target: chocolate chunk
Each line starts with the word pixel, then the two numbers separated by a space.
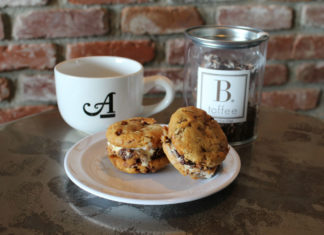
pixel 167 140
pixel 124 123
pixel 119 132
pixel 144 123
pixel 123 153
pixel 126 153
pixel 158 153
pixel 190 163
pixel 184 161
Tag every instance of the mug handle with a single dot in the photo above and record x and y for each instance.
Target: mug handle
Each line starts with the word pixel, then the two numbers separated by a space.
pixel 153 81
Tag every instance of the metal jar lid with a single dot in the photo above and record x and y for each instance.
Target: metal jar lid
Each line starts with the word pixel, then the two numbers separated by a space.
pixel 227 37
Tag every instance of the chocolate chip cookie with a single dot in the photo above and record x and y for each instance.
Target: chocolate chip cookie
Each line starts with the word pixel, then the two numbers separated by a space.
pixel 134 145
pixel 194 143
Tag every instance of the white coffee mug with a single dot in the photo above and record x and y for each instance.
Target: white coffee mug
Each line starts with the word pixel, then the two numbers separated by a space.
pixel 94 92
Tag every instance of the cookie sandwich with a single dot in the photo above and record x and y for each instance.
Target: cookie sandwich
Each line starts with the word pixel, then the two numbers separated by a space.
pixel 134 145
pixel 194 143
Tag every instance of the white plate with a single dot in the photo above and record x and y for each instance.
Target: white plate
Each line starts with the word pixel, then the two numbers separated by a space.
pixel 88 166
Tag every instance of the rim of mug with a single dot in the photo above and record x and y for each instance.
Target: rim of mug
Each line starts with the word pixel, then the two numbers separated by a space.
pixel 56 68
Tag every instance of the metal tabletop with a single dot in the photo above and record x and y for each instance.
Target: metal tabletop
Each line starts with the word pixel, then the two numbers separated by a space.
pixel 279 190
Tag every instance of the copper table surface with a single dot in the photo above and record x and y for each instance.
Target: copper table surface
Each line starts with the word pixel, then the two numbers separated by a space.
pixel 279 189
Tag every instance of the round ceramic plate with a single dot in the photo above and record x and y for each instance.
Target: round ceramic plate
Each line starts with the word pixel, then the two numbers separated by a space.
pixel 87 165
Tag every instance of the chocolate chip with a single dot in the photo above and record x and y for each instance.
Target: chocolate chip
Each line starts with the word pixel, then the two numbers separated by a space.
pixel 158 153
pixel 180 157
pixel 190 163
pixel 167 140
pixel 208 121
pixel 144 123
pixel 124 123
pixel 122 153
pixel 200 128
pixel 182 160
pixel 131 153
pixel 126 153
pixel 119 132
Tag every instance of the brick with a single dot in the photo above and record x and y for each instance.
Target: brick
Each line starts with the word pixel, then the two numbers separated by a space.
pixel 256 16
pixel 176 75
pixel 159 19
pixel 34 56
pixel 280 47
pixel 284 47
pixel 310 72
pixel 175 51
pixel 14 3
pixel 88 2
pixel 12 114
pixel 293 99
pixel 39 87
pixel 312 15
pixel 140 50
pixel 61 23
pixel 4 89
pixel 308 47
pixel 275 74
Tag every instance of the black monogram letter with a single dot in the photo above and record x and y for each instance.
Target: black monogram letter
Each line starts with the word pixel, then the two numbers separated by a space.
pixel 109 100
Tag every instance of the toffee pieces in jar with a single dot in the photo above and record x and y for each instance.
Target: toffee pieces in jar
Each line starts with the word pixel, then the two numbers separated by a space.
pixel 239 131
pixel 223 76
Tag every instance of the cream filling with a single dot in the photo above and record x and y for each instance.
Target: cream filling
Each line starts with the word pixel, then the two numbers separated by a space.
pixel 146 152
pixel 190 168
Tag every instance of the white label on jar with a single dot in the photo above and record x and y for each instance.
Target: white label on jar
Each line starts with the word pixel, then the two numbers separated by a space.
pixel 223 94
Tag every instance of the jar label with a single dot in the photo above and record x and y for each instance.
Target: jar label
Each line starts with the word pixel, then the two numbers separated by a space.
pixel 223 94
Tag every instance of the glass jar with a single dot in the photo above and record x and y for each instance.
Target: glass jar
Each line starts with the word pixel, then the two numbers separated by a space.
pixel 224 67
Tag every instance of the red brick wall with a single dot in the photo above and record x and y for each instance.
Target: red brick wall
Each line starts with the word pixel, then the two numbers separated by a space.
pixel 37 34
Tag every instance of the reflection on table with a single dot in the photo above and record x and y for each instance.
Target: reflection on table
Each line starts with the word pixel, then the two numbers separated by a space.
pixel 279 189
